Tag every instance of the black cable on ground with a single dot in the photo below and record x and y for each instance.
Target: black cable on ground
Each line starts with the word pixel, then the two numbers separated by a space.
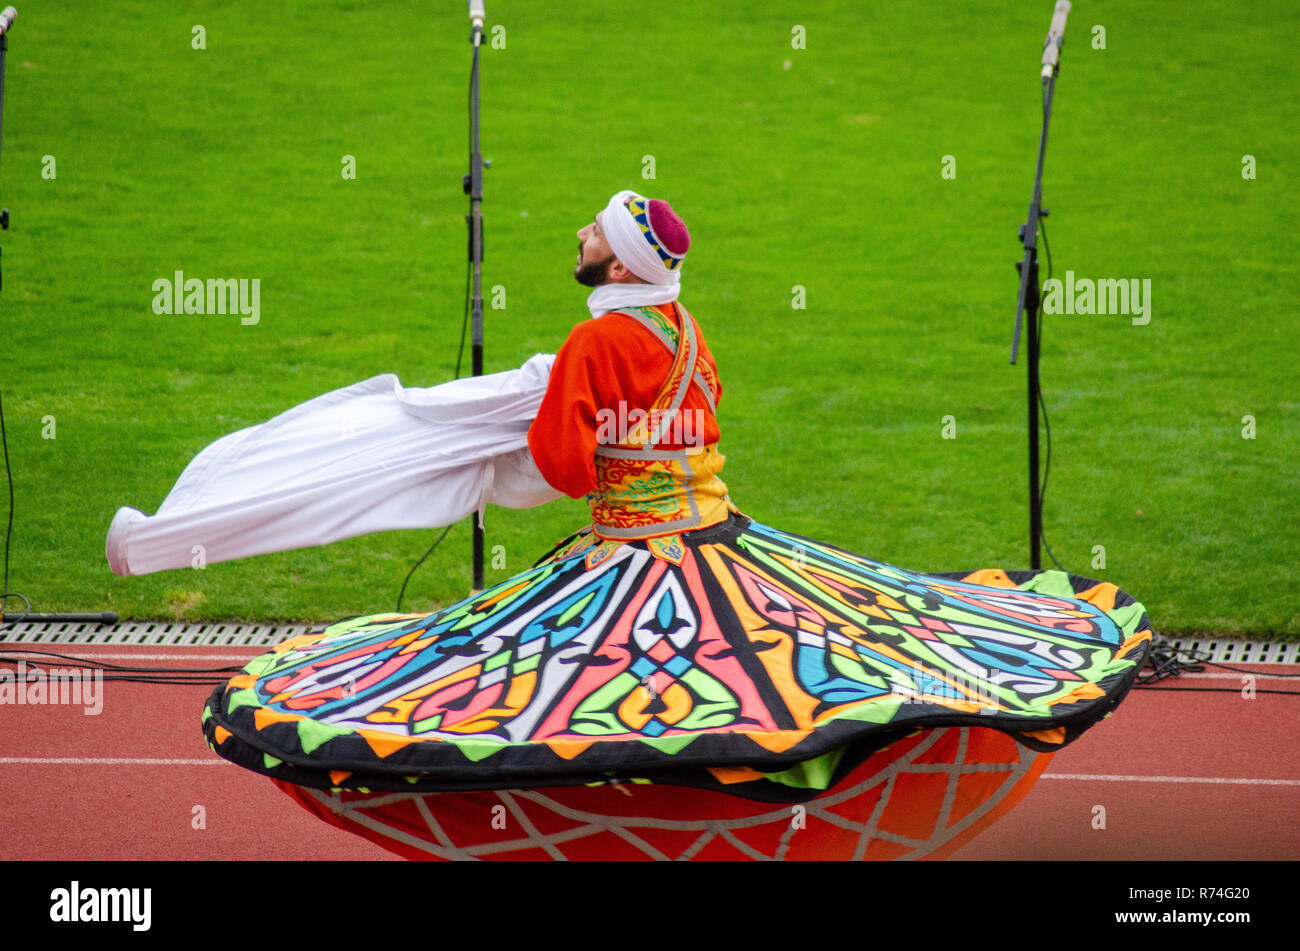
pixel 460 355
pixel 5 593
pixel 103 670
pixel 92 664
pixel 437 542
pixel 1164 662
pixel 1042 405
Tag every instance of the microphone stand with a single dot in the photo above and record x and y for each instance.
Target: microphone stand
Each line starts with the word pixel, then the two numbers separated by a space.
pixel 1028 300
pixel 473 186
pixel 7 17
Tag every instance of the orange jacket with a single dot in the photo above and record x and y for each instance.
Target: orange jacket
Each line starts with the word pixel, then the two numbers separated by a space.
pixel 605 360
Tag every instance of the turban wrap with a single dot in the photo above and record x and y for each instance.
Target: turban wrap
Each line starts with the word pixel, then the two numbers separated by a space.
pixel 647 236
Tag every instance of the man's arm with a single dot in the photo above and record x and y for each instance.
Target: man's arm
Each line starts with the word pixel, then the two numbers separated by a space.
pixel 562 438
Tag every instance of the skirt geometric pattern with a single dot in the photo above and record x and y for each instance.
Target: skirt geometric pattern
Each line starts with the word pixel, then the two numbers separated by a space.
pixel 739 660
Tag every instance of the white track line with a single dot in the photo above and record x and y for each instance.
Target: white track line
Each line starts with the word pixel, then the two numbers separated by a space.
pixel 107 761
pixel 1258 674
pixel 1104 778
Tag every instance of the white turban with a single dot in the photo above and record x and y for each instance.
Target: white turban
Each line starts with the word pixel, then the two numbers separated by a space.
pixel 632 242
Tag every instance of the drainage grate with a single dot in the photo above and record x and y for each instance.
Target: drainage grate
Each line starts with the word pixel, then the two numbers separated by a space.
pixel 1224 650
pixel 153 633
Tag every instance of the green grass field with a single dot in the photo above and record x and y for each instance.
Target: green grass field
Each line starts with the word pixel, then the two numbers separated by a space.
pixel 818 167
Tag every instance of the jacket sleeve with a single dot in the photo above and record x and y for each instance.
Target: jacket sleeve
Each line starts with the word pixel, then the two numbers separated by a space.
pixel 562 438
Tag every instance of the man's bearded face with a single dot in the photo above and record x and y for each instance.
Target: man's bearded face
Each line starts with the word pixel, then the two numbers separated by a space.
pixel 594 256
pixel 592 274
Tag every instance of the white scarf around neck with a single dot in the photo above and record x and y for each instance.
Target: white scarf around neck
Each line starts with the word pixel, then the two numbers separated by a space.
pixel 610 297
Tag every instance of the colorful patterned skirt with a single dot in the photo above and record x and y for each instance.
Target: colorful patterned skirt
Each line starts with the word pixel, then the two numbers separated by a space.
pixel 752 694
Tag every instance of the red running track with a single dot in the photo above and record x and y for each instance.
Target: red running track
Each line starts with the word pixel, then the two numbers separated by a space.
pixel 1173 775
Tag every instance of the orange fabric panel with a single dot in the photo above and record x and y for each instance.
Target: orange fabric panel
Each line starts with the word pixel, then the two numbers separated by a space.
pixel 603 361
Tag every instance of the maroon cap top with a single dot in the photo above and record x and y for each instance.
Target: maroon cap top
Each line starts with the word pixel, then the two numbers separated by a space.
pixel 668 228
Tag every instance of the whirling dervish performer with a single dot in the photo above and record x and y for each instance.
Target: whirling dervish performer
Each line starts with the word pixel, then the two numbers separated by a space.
pixel 678 680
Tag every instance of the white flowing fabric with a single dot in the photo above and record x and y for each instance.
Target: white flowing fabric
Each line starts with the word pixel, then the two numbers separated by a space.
pixel 370 457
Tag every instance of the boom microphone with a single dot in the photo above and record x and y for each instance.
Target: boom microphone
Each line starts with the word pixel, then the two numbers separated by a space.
pixel 1055 38
pixel 476 13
